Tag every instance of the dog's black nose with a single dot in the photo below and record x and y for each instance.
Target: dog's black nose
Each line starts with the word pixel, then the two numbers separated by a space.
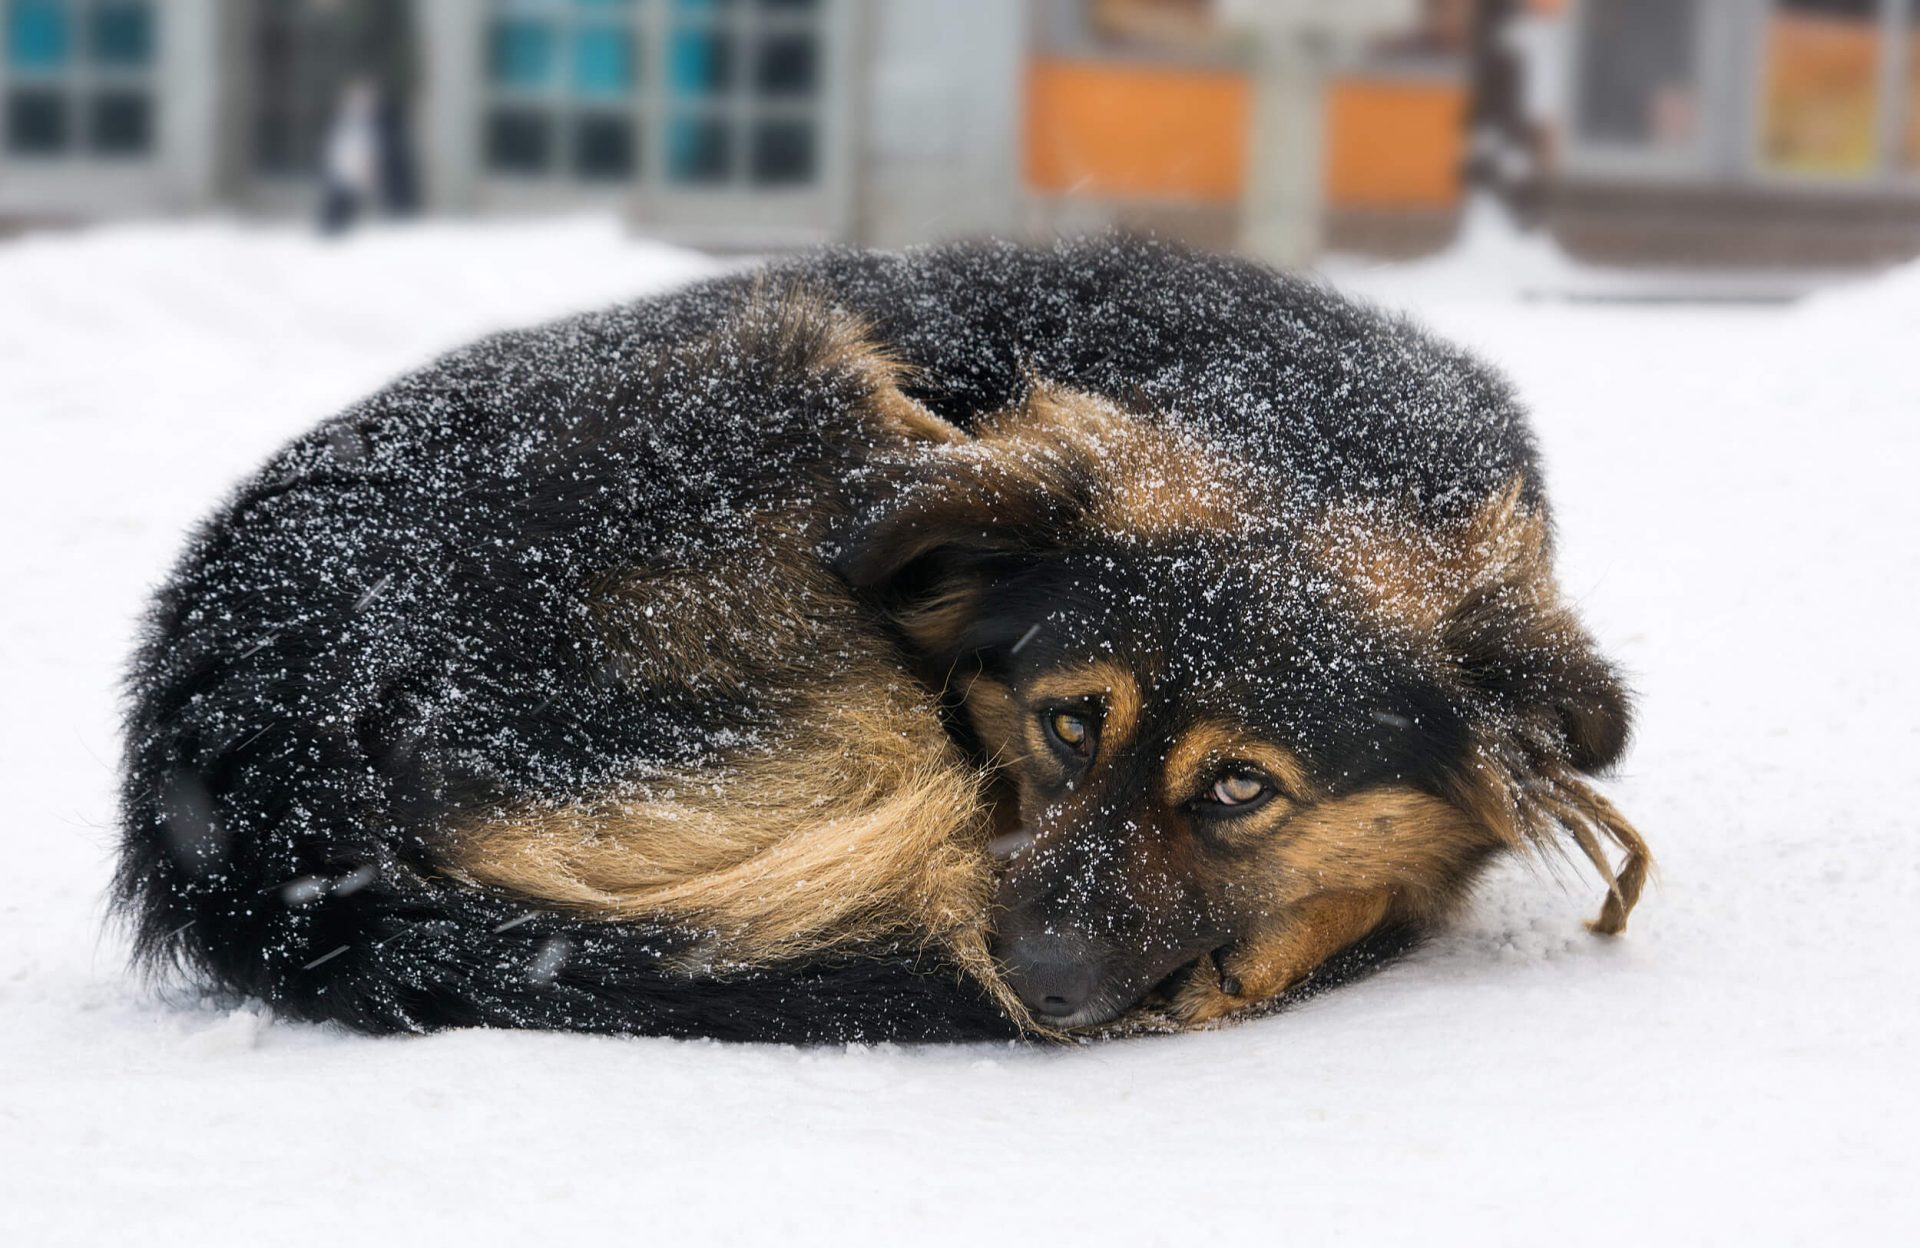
pixel 1055 976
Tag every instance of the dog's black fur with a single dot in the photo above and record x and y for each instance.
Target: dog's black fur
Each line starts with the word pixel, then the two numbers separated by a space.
pixel 381 629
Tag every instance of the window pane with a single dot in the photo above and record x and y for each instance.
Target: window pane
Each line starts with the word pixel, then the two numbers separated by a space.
pixel 700 62
pixel 122 33
pixel 695 7
pixel 786 65
pixel 519 140
pixel 38 34
pixel 522 53
pixel 1637 81
pixel 36 121
pixel 1822 96
pixel 699 149
pixel 790 6
pixel 121 123
pixel 782 153
pixel 602 60
pixel 603 148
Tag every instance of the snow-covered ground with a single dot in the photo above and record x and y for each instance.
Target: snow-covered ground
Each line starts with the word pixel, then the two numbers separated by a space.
pixel 1737 493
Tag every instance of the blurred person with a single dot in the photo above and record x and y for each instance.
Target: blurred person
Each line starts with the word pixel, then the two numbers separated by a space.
pixel 373 68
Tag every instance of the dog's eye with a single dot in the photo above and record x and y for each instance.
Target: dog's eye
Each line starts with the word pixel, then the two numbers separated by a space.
pixel 1238 789
pixel 1071 732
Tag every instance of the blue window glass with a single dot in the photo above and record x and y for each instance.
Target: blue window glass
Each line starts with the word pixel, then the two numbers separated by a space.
pixel 519 140
pixel 699 149
pixel 783 153
pixel 700 62
pixel 786 65
pixel 123 33
pixel 37 121
pixel 602 60
pixel 522 53
pixel 39 34
pixel 600 4
pixel 603 148
pixel 121 123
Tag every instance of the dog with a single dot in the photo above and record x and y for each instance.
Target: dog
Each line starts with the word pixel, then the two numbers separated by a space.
pixel 978 642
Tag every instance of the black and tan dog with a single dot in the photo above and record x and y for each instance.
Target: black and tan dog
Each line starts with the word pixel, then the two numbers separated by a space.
pixel 918 647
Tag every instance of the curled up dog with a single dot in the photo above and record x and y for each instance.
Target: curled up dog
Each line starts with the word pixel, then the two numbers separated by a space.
pixel 969 643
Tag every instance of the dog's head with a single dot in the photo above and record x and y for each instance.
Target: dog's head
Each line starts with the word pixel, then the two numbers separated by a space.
pixel 1206 698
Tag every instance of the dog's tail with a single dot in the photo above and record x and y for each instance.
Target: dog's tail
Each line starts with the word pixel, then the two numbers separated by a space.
pixel 304 896
pixel 379 949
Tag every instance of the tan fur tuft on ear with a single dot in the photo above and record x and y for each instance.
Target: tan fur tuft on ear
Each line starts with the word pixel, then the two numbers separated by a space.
pixel 1138 478
pixel 1418 574
pixel 1058 467
pixel 1529 803
pixel 799 330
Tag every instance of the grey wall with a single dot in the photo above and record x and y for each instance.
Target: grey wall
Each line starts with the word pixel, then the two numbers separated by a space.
pixel 938 127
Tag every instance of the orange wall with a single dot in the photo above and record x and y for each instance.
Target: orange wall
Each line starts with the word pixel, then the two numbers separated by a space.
pixel 1821 95
pixel 1394 144
pixel 1120 130
pixel 1116 129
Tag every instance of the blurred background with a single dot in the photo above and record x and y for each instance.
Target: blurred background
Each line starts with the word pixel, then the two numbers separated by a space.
pixel 1714 135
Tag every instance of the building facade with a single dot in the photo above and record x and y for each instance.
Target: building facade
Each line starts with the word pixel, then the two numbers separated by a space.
pixel 1774 131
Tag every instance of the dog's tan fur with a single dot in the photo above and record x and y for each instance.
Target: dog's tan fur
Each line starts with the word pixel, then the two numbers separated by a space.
pixel 1327 875
pixel 861 824
pixel 1198 753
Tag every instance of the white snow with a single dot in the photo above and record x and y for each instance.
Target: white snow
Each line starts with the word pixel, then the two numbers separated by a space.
pixel 1737 500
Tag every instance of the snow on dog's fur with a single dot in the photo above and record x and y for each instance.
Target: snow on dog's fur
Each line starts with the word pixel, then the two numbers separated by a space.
pixel 946 645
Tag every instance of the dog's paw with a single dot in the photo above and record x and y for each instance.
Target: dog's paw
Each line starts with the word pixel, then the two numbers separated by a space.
pixel 1212 991
pixel 1227 982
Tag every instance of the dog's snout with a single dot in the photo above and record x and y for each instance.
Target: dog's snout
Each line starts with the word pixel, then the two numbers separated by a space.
pixel 1055 976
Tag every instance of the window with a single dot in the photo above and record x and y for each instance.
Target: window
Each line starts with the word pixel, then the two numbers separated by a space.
pixel 743 89
pixel 1639 82
pixel 563 77
pixel 686 93
pixel 79 77
pixel 1822 94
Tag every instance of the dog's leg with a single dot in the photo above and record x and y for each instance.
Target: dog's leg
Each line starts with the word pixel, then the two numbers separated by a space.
pixel 1279 955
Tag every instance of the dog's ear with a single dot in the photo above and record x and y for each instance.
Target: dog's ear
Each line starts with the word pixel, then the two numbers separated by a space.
pixel 1519 644
pixel 948 522
pixel 1539 665
pixel 798 343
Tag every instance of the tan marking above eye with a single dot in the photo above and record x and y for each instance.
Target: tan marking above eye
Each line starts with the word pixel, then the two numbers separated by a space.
pixel 1105 683
pixel 1208 752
